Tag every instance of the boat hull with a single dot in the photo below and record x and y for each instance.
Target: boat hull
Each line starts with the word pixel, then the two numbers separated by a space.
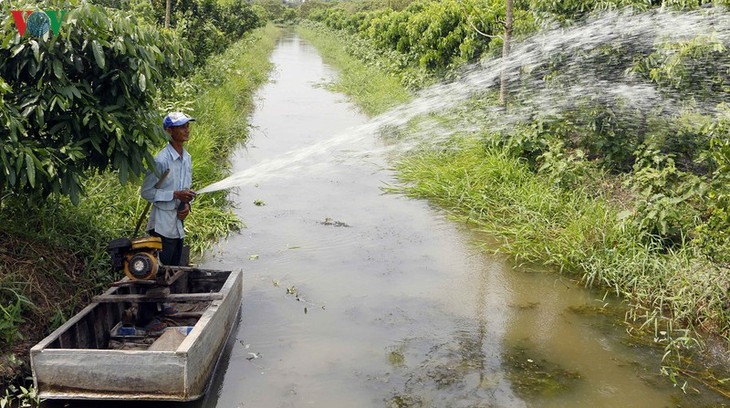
pixel 93 373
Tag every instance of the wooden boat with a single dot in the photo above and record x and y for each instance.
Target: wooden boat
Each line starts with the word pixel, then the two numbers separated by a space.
pixel 76 361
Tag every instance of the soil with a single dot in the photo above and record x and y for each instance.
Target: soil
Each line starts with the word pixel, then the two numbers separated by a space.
pixel 49 279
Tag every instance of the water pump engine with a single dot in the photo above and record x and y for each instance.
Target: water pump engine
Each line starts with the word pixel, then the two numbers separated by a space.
pixel 139 257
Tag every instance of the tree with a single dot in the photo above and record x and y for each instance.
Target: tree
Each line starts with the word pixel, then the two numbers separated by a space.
pixel 508 21
pixel 168 10
pixel 81 100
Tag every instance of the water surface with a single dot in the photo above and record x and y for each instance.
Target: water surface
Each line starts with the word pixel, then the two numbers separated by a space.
pixel 356 298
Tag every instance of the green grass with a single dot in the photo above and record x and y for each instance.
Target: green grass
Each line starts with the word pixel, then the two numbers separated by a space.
pixel 674 295
pixel 372 89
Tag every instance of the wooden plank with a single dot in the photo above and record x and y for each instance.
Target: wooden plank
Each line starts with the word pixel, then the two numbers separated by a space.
pixel 182 315
pixel 98 322
pixel 128 282
pixel 176 275
pixel 175 297
pixel 85 333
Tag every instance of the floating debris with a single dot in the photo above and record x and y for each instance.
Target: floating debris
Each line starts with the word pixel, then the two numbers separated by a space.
pixel 330 221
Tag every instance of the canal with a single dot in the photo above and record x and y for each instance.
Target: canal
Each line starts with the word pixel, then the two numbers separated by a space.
pixel 354 297
pixel 358 298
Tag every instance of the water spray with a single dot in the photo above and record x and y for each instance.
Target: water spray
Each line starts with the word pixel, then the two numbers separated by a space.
pixel 527 63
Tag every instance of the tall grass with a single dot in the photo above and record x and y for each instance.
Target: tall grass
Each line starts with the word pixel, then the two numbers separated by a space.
pixel 671 293
pixel 373 89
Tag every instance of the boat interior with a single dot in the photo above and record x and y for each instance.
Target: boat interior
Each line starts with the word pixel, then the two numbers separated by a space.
pixel 132 316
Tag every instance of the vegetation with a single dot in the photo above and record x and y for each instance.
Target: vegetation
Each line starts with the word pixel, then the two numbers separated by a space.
pixel 277 11
pixel 630 197
pixel 87 97
pixel 206 26
pixel 81 115
pixel 373 88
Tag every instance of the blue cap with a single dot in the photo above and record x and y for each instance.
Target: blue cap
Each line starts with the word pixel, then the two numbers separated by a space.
pixel 176 119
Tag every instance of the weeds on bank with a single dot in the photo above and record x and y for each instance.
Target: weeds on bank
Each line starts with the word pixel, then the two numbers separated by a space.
pixel 672 294
pixel 373 88
pixel 11 317
pixel 20 397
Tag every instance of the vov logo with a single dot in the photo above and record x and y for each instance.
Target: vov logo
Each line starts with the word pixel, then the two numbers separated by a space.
pixel 37 23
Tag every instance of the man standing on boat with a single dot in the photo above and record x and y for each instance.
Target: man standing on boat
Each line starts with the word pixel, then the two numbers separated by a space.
pixel 171 197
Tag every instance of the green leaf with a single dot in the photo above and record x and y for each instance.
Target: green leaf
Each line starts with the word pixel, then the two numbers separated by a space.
pixel 36 50
pixel 95 143
pixel 17 50
pixel 123 172
pixel 98 54
pixel 142 82
pixel 30 169
pixel 57 69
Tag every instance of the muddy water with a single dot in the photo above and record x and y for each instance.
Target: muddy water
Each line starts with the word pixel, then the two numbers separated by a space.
pixel 356 298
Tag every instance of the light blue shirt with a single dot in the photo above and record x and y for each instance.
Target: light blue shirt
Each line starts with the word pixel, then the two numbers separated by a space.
pixel 163 217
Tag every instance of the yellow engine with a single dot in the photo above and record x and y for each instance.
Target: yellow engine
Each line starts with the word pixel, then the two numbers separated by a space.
pixel 139 257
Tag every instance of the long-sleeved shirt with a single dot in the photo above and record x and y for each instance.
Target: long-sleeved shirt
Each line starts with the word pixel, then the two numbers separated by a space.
pixel 163 217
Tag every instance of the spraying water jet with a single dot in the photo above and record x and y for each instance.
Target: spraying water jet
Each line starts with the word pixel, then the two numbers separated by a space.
pixel 529 62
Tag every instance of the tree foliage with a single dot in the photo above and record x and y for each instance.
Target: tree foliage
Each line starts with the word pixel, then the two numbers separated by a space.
pixel 82 100
pixel 207 26
pixel 436 35
pixel 277 11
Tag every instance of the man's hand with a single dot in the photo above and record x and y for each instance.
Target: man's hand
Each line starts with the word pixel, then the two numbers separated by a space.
pixel 182 214
pixel 185 196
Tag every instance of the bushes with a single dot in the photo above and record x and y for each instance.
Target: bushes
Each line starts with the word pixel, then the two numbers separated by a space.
pixel 205 26
pixel 81 100
pixel 433 35
pixel 209 26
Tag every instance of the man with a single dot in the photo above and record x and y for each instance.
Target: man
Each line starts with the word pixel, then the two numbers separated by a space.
pixel 171 201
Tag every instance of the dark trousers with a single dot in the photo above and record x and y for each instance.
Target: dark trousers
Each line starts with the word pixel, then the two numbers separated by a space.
pixel 172 250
